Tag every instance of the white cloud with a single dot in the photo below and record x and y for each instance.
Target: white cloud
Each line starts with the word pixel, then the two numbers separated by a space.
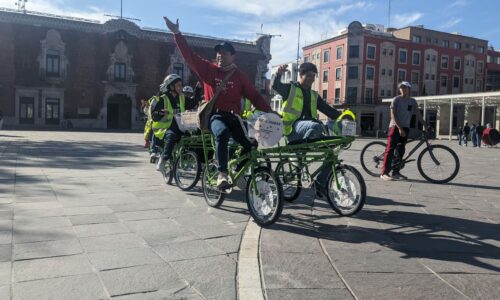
pixel 403 20
pixel 270 8
pixel 459 3
pixel 451 23
pixel 59 7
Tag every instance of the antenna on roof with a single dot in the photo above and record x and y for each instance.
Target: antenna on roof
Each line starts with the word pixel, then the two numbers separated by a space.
pixel 121 14
pixel 389 16
pixel 21 5
pixel 266 34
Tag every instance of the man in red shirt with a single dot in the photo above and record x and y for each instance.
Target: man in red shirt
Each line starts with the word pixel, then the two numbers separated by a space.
pixel 224 123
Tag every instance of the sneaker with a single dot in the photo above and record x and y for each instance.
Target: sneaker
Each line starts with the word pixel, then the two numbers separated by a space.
pixel 222 181
pixel 386 177
pixel 398 176
pixel 160 165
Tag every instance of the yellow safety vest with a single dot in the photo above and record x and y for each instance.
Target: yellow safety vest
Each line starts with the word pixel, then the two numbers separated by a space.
pixel 247 109
pixel 292 108
pixel 336 126
pixel 160 127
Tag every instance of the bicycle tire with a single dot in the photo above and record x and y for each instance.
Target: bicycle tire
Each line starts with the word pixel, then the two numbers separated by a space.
pixel 253 199
pixel 426 176
pixel 186 186
pixel 360 195
pixel 290 191
pixel 167 173
pixel 213 197
pixel 368 161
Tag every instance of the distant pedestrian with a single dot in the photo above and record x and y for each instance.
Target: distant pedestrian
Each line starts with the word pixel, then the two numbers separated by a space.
pixel 460 135
pixel 479 132
pixel 473 135
pixel 466 133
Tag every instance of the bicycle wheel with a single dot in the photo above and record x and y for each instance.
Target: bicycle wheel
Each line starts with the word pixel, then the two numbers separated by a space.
pixel 187 169
pixel 438 164
pixel 350 197
pixel 265 197
pixel 167 173
pixel 289 174
pixel 212 195
pixel 372 158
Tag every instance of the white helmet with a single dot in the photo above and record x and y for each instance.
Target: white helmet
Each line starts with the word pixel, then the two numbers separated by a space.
pixel 168 81
pixel 187 89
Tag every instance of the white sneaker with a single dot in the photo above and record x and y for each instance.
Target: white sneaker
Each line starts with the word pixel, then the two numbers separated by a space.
pixel 222 181
pixel 160 165
pixel 386 177
pixel 152 155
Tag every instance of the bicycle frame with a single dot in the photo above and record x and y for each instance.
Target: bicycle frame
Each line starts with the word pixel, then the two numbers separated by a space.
pixel 422 140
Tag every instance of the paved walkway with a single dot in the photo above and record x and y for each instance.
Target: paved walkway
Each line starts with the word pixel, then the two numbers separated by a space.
pixel 85 216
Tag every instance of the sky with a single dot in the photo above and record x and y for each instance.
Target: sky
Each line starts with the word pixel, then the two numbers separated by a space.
pixel 320 19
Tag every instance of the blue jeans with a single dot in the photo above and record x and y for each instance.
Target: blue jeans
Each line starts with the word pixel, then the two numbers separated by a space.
pixel 306 129
pixel 223 126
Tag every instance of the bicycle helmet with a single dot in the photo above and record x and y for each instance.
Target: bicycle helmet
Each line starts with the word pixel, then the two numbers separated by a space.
pixel 187 89
pixel 170 79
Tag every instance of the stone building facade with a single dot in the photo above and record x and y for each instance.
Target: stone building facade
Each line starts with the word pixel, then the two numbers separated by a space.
pixel 58 71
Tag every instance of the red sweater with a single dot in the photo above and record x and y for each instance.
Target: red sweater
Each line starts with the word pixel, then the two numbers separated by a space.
pixel 238 86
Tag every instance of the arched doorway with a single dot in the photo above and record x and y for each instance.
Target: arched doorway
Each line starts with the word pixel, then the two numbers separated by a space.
pixel 119 111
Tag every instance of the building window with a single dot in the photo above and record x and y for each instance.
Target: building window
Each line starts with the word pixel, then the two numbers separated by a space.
pixel 383 72
pixel 433 77
pixel 338 74
pixel 389 93
pixel 368 95
pixel 456 82
pixel 325 76
pixel 120 72
pixel 402 56
pixel 428 40
pixel 352 72
pixel 472 63
pixel 389 72
pixel 415 78
pixel 444 81
pixel 428 57
pixel 353 51
pixel 466 80
pixel 325 94
pixel 179 69
pixel 401 75
pixel 471 81
pixel 467 62
pixel 416 58
pixel 326 56
pixel 444 62
pixel 384 52
pixel 339 52
pixel 382 93
pixel 337 96
pixel 457 45
pixel 370 73
pixel 480 67
pixel 391 52
pixel 352 94
pixel 436 41
pixel 426 76
pixel 306 59
pixel 417 39
pixel 446 43
pixel 457 62
pixel 52 111
pixel 370 52
pixel 53 60
pixel 467 46
pixel 480 49
pixel 434 58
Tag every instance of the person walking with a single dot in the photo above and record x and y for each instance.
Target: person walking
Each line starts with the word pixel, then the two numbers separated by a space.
pixel 225 122
pixel 466 133
pixel 402 109
pixel 460 135
pixel 479 133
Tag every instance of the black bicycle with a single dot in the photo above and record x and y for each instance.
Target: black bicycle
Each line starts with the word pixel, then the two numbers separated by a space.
pixel 436 163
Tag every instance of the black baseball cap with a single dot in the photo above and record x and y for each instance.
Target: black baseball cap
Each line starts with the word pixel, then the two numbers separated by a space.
pixel 225 46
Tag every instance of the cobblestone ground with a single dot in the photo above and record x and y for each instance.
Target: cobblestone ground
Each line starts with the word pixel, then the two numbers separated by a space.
pixel 85 216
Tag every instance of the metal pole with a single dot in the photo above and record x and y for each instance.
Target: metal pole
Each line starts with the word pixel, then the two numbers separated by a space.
pixel 121 9
pixel 482 112
pixel 298 50
pixel 451 118
pixel 425 110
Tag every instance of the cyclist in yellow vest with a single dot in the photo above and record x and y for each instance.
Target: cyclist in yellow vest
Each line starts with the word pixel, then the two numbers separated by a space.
pixel 300 110
pixel 171 101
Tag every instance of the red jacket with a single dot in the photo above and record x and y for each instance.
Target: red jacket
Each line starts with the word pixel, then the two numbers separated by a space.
pixel 238 86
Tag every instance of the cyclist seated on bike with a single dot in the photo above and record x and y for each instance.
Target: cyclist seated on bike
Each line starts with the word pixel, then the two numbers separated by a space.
pixel 402 109
pixel 300 110
pixel 225 122
pixel 170 101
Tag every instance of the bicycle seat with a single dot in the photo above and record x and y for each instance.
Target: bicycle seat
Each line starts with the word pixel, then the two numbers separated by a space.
pixel 323 138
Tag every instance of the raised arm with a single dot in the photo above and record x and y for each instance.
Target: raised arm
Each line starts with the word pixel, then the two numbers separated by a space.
pixel 282 88
pixel 253 95
pixel 202 67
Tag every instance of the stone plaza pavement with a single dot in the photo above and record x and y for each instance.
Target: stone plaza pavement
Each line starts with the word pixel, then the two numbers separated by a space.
pixel 83 215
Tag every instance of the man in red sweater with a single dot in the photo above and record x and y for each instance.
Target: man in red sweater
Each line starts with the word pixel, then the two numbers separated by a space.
pixel 224 123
